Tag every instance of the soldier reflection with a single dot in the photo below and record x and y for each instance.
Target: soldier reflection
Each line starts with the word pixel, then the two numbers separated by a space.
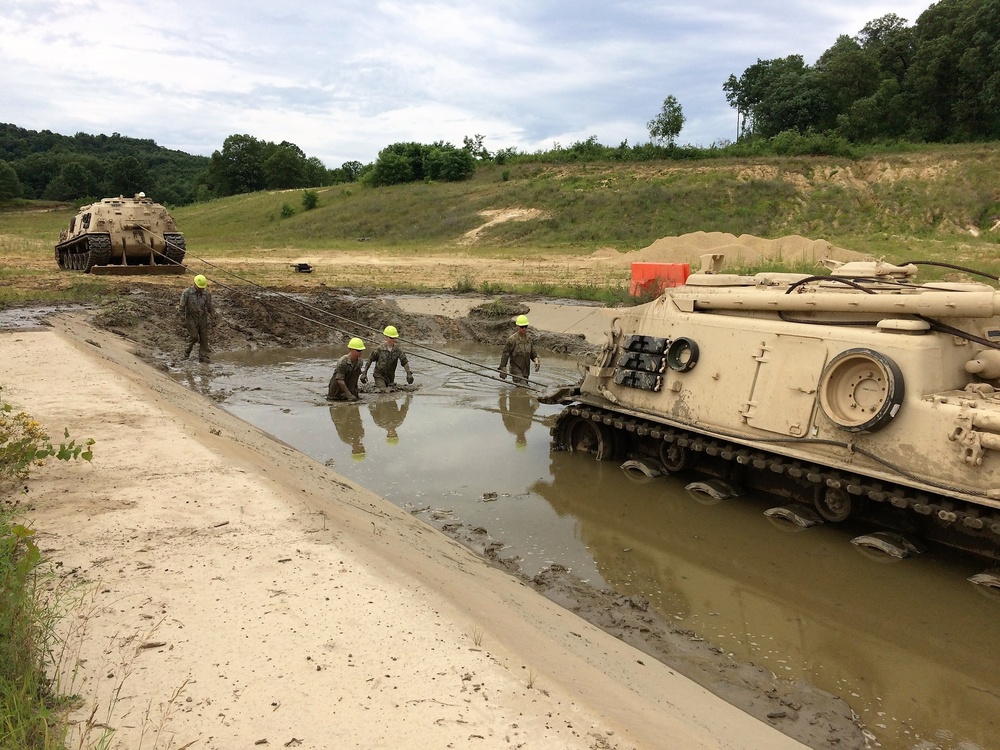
pixel 517 410
pixel 200 380
pixel 346 418
pixel 388 414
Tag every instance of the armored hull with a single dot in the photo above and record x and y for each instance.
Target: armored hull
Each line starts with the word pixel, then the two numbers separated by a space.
pixel 121 234
pixel 862 393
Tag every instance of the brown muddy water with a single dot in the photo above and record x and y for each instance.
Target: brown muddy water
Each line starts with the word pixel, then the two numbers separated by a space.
pixel 910 645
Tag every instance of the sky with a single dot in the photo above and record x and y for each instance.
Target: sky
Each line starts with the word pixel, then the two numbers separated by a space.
pixel 342 79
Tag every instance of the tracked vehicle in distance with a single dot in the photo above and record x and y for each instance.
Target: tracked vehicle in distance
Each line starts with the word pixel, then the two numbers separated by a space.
pixel 122 235
pixel 862 394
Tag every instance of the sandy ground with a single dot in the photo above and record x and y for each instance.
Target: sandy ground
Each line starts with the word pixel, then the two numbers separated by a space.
pixel 234 593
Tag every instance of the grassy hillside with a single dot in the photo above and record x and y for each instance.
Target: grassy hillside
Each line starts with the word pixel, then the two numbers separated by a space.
pixel 936 202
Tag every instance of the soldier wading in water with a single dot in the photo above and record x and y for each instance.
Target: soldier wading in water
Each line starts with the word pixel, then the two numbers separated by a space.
pixel 344 383
pixel 199 315
pixel 520 352
pixel 384 357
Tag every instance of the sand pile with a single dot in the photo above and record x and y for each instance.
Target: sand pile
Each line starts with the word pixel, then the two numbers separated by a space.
pixel 739 251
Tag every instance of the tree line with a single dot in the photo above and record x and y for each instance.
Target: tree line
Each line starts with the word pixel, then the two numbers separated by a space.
pixel 82 168
pixel 935 81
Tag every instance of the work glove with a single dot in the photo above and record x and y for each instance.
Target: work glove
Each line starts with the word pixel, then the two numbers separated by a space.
pixel 409 379
pixel 503 373
pixel 364 378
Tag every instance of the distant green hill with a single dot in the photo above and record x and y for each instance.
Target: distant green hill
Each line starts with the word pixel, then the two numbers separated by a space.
pixel 62 167
pixel 939 203
pixel 883 203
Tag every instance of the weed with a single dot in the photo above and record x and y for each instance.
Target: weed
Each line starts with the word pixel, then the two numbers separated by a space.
pixel 117 312
pixel 464 284
pixel 27 620
pixel 499 307
pixel 477 637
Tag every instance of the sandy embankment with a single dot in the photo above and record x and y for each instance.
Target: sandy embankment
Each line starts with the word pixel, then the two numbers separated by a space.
pixel 239 594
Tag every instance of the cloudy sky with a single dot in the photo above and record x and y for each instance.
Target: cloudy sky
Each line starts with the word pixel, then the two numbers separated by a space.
pixel 344 78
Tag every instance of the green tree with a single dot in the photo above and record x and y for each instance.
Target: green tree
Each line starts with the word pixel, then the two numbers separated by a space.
pixel 239 166
pixel 285 167
pixel 10 185
pixel 127 176
pixel 391 168
pixel 78 179
pixel 442 161
pixel 666 126
pixel 310 199
pixel 774 96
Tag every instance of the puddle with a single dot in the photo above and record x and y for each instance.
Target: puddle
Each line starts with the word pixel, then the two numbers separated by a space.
pixel 909 644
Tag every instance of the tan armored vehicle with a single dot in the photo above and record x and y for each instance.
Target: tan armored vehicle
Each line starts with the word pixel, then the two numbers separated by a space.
pixel 862 393
pixel 122 235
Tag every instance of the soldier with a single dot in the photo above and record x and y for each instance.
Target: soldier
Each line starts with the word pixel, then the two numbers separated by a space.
pixel 520 352
pixel 199 315
pixel 384 357
pixel 344 383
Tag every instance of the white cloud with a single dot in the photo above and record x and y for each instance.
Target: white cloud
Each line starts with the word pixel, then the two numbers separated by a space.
pixel 344 79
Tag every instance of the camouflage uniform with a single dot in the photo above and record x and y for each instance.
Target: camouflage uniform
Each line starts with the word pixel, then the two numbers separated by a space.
pixel 520 351
pixel 199 315
pixel 347 371
pixel 385 360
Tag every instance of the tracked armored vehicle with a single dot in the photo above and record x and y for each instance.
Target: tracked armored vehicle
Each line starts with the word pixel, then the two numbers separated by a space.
pixel 122 235
pixel 860 393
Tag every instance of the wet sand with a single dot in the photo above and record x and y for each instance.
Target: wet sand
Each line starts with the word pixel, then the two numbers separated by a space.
pixel 234 593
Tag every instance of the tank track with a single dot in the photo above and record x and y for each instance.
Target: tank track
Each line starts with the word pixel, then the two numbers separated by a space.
pixel 837 495
pixel 174 250
pixel 84 253
pixel 99 247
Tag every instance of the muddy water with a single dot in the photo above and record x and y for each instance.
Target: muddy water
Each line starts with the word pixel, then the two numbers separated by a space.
pixel 910 645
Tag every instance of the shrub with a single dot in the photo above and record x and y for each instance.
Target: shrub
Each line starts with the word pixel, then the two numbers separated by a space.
pixel 287 211
pixel 310 199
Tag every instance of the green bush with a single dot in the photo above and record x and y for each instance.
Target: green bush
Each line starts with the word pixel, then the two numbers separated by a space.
pixel 27 701
pixel 310 199
pixel 287 210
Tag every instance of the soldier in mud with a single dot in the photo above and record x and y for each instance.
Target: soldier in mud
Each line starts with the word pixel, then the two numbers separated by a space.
pixel 344 383
pixel 385 357
pixel 519 351
pixel 389 415
pixel 350 429
pixel 199 316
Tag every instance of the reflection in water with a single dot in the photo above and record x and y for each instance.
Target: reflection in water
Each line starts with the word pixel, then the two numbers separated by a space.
pixel 199 380
pixel 910 646
pixel 346 418
pixel 517 410
pixel 389 415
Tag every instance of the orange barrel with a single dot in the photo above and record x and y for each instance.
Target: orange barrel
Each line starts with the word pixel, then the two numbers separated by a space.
pixel 653 278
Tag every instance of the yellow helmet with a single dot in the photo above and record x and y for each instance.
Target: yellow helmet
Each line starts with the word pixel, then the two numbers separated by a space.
pixel 391 332
pixel 200 281
pixel 356 344
pixel 522 320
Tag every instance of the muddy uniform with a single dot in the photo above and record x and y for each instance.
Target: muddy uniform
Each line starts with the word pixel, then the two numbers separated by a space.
pixel 199 315
pixel 520 352
pixel 347 371
pixel 385 360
